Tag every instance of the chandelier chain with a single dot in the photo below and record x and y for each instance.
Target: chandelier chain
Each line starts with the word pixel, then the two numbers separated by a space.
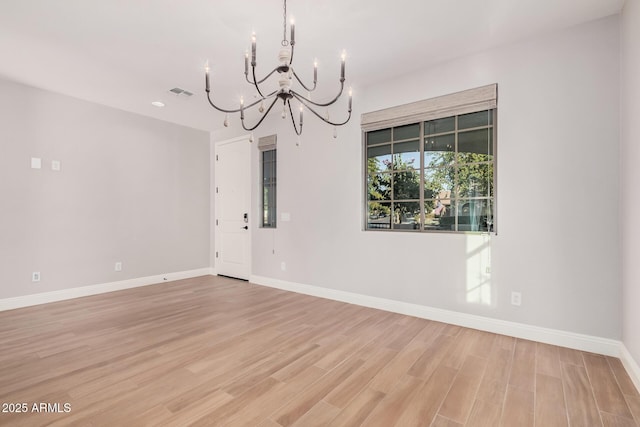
pixel 284 23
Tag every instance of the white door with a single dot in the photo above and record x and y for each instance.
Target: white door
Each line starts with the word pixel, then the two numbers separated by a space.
pixel 232 208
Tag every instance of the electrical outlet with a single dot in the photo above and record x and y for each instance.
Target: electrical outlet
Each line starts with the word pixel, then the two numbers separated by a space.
pixel 283 266
pixel 118 266
pixel 516 298
pixel 35 276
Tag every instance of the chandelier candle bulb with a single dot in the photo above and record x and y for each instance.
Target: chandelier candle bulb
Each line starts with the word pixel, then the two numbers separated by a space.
pixel 315 71
pixel 350 97
pixel 301 109
pixel 344 57
pixel 206 76
pixel 246 62
pixel 253 49
pixel 293 32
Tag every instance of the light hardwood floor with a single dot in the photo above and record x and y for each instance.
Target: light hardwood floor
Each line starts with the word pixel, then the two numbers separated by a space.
pixel 215 351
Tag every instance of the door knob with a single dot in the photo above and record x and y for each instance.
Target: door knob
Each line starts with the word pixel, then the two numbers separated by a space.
pixel 246 227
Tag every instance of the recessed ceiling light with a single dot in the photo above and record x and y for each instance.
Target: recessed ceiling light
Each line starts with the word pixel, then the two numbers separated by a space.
pixel 158 104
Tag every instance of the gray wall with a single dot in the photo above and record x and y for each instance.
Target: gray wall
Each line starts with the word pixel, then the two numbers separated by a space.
pixel 630 176
pixel 130 189
pixel 558 207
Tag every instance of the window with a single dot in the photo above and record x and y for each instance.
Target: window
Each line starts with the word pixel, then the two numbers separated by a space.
pixel 268 156
pixel 435 174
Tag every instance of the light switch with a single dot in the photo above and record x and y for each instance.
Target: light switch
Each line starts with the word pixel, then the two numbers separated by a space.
pixel 285 216
pixel 36 163
pixel 55 165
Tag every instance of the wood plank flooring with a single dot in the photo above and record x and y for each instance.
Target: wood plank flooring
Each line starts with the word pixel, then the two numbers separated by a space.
pixel 215 351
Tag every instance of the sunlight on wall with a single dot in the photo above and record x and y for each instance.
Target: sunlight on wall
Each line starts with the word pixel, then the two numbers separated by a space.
pixel 478 280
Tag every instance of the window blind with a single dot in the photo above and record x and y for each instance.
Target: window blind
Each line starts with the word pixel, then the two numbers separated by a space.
pixel 268 142
pixel 467 101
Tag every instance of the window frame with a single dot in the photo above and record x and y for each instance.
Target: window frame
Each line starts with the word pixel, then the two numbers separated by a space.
pixel 268 217
pixel 454 105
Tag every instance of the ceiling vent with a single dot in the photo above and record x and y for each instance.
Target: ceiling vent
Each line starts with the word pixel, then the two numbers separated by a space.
pixel 181 92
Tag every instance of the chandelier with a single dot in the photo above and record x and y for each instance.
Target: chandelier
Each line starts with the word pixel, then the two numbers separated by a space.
pixel 285 93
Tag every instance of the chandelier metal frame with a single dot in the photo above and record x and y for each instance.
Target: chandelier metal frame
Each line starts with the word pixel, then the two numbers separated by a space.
pixel 285 93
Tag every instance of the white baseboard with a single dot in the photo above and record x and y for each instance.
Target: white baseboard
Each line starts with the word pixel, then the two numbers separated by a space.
pixel 83 291
pixel 630 365
pixel 573 340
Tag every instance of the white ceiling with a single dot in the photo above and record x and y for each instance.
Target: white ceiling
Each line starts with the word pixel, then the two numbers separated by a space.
pixel 127 53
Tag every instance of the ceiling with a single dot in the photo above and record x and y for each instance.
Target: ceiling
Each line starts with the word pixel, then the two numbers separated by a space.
pixel 128 53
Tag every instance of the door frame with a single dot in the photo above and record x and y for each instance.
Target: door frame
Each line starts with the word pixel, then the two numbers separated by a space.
pixel 237 140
